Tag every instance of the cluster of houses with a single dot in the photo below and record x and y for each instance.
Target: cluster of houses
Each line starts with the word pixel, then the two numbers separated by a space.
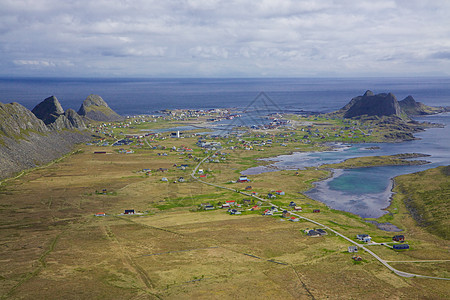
pixel 229 204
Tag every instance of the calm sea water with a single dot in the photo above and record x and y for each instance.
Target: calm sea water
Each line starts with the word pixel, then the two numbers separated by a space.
pixel 362 191
pixel 138 96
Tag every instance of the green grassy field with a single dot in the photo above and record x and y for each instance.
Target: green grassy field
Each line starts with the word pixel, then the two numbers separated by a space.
pixel 52 245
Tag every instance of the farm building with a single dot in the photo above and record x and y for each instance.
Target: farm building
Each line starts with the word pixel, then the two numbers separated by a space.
pixel 292 204
pixel 398 238
pixel 297 208
pixel 294 219
pixel 271 196
pixel 400 247
pixel 209 207
pixel 281 193
pixel 316 211
pixel 129 212
pixel 243 179
pixel 225 205
pixel 100 214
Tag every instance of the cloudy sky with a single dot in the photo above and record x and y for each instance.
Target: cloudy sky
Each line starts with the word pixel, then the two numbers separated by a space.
pixel 229 38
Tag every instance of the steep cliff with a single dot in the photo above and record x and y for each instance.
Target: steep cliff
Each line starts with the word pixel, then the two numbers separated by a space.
pixel 95 108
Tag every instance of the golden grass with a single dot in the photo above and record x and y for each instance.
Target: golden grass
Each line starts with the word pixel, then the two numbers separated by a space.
pixel 51 245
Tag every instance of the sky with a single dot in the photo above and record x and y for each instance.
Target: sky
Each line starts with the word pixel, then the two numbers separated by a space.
pixel 230 38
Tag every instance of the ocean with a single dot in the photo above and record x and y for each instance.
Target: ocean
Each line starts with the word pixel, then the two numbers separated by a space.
pixel 145 96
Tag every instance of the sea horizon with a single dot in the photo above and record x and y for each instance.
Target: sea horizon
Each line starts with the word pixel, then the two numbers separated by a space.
pixel 133 95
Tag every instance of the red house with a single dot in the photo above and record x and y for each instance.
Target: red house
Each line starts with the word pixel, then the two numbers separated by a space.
pixel 398 238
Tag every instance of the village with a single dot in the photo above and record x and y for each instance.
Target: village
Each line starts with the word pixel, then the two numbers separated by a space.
pixel 214 150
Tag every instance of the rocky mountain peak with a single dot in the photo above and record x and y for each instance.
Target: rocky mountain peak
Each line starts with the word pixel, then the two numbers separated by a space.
pixel 94 100
pixel 48 110
pixel 373 105
pixel 95 108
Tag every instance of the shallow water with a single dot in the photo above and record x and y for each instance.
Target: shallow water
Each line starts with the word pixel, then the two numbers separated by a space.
pixel 366 191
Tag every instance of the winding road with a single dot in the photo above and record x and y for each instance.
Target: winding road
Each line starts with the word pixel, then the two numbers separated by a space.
pixel 384 262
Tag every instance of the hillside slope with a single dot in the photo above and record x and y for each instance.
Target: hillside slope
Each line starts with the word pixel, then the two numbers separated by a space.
pixel 27 142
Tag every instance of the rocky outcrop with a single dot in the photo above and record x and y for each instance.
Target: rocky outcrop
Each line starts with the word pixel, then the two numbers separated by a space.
pixel 373 105
pixel 95 108
pixel 26 141
pixel 52 114
pixel 69 120
pixel 412 108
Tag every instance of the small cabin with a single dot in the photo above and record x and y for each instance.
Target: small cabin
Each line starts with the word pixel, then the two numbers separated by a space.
pixel 129 212
pixel 100 214
pixel 267 212
pixel 297 208
pixel 225 205
pixel 256 207
pixel 352 249
pixel 398 238
pixel 248 187
pixel 292 204
pixel 294 219
pixel 364 237
pixel 281 193
pixel 271 196
pixel 286 214
pixel 316 211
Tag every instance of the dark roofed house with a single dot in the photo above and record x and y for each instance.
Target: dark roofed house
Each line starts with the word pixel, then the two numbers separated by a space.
pixel 312 233
pixel 129 212
pixel 400 246
pixel 321 231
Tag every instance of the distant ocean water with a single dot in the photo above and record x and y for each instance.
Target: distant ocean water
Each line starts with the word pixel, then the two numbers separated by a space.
pixel 142 96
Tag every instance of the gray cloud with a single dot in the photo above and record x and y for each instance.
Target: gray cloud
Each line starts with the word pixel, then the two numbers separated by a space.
pixel 224 38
